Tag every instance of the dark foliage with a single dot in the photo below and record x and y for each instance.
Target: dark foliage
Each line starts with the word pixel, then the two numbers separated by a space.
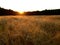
pixel 45 12
pixel 4 12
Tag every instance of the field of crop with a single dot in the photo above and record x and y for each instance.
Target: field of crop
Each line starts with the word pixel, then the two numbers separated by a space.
pixel 29 30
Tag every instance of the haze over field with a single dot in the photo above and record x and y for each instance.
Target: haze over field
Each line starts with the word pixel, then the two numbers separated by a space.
pixel 29 30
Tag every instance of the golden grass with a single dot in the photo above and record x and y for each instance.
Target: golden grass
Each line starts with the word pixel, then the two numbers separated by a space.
pixel 29 30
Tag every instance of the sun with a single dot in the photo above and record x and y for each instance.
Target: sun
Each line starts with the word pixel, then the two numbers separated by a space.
pixel 21 12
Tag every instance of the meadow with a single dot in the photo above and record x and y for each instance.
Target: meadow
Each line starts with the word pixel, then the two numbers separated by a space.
pixel 29 30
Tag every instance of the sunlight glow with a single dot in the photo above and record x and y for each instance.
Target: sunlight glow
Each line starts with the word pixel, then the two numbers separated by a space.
pixel 30 5
pixel 21 12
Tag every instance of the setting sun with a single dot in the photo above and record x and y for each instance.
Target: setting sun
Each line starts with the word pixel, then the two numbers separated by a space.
pixel 21 12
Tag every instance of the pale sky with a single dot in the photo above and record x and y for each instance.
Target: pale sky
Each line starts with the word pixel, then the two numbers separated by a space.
pixel 30 5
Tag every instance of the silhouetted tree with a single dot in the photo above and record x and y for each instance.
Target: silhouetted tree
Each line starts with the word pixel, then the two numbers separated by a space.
pixel 45 12
pixel 4 12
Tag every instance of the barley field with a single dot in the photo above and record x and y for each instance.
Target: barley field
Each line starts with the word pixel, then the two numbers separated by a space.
pixel 29 30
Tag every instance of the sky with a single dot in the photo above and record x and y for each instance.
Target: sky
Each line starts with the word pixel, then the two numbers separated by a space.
pixel 30 5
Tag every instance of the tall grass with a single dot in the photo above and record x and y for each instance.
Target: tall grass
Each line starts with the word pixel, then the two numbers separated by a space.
pixel 26 31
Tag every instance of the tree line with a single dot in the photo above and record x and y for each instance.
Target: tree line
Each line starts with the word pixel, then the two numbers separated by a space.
pixel 45 12
pixel 4 12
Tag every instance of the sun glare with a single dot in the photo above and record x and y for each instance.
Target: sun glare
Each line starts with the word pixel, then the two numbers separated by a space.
pixel 21 12
pixel 30 5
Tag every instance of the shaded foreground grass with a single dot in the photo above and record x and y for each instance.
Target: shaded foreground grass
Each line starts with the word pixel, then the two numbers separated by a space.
pixel 30 30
